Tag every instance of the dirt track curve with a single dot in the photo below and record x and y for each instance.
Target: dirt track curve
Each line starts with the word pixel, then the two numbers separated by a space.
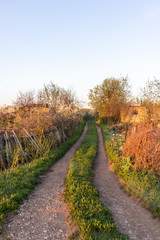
pixel 129 216
pixel 43 215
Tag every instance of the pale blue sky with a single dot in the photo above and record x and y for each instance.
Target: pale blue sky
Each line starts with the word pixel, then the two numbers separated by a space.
pixel 77 43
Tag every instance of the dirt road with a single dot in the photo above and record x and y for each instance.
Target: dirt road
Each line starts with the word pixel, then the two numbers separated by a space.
pixel 129 216
pixel 43 215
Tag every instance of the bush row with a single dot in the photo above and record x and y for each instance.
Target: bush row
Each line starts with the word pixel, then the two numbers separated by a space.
pixel 16 183
pixel 93 219
pixel 143 184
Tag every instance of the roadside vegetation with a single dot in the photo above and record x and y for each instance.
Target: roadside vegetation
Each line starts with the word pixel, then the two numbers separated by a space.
pixel 37 123
pixel 93 219
pixel 41 127
pixel 132 136
pixel 140 178
pixel 17 182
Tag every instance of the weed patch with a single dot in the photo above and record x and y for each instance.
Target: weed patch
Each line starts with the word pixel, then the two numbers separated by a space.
pixel 87 211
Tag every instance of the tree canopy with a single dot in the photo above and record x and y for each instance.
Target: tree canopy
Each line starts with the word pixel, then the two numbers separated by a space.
pixel 108 97
pixel 150 94
pixel 150 98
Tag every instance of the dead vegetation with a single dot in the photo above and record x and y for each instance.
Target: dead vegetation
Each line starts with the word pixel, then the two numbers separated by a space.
pixel 143 146
pixel 40 122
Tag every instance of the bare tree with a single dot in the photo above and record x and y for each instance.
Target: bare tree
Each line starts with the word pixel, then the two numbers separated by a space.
pixel 25 98
pixel 150 98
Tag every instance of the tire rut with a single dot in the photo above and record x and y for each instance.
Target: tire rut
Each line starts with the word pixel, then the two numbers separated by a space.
pixel 43 215
pixel 129 216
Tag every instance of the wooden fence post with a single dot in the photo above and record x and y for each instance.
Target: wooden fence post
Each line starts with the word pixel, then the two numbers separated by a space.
pixel 1 150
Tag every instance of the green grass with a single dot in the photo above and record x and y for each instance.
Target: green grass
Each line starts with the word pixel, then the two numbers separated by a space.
pixel 17 183
pixel 93 219
pixel 141 183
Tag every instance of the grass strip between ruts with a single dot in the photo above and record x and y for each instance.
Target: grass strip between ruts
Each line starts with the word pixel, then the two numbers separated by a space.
pixel 17 183
pixel 87 211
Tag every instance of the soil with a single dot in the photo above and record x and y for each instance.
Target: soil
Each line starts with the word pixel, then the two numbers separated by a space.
pixel 43 215
pixel 129 216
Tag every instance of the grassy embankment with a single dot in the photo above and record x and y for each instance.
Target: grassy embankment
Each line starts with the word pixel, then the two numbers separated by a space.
pixel 143 184
pixel 16 183
pixel 93 219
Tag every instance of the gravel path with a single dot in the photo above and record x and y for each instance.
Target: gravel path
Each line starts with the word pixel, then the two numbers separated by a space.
pixel 43 215
pixel 130 217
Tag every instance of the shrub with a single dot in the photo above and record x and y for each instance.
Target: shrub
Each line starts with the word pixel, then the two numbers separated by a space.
pixel 144 148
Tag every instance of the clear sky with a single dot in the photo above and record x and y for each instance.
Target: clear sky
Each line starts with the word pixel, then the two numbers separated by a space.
pixel 77 43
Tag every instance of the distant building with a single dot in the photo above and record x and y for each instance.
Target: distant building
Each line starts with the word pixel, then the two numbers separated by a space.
pixel 134 114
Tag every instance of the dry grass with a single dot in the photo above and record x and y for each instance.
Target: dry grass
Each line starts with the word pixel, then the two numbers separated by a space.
pixel 144 148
